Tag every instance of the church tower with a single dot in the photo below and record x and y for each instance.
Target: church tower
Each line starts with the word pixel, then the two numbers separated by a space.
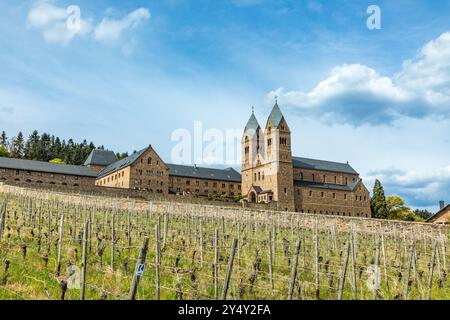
pixel 278 155
pixel 252 145
pixel 267 173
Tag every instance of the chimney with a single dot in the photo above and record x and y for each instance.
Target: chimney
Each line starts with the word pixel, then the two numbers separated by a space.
pixel 441 205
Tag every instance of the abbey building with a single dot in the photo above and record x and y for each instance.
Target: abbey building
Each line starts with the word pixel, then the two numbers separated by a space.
pixel 271 174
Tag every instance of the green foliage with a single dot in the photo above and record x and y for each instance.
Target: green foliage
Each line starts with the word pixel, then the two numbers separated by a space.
pixel 122 155
pixel 378 201
pixel 17 146
pixel 398 211
pixel 4 140
pixel 57 161
pixel 46 147
pixel 4 152
pixel 424 214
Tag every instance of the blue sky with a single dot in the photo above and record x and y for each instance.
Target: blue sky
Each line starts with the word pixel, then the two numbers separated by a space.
pixel 138 70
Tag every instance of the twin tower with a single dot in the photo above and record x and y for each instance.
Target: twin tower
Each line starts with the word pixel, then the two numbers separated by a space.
pixel 267 169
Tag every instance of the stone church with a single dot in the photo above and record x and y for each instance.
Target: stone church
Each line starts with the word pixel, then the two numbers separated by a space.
pixel 271 174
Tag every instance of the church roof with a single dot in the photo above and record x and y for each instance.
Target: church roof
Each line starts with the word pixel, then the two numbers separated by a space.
pixel 123 163
pixel 100 158
pixel 275 116
pixel 329 186
pixel 228 174
pixel 40 166
pixel 314 164
pixel 252 123
pixel 439 213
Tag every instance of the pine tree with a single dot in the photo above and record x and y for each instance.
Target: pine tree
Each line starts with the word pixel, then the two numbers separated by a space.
pixel 4 140
pixel 17 146
pixel 30 151
pixel 378 201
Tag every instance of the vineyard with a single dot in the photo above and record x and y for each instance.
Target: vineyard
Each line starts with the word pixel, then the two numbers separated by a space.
pixel 64 246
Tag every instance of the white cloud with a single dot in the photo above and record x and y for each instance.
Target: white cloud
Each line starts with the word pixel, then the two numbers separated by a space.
pixel 51 20
pixel 421 188
pixel 358 94
pixel 110 30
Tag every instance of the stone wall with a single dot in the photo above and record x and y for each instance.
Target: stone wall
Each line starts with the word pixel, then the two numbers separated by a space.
pixel 45 179
pixel 186 185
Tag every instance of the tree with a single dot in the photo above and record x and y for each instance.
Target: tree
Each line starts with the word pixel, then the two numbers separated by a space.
pixel 424 214
pixel 4 140
pixel 397 210
pixel 121 155
pixel 378 201
pixel 4 152
pixel 30 151
pixel 17 146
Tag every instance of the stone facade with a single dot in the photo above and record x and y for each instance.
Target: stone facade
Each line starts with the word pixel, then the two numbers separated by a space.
pixel 142 171
pixel 442 216
pixel 203 187
pixel 271 174
pixel 39 178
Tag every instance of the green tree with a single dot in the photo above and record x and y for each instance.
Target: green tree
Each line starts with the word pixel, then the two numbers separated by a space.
pixel 17 146
pixel 378 201
pixel 4 152
pixel 4 140
pixel 424 214
pixel 30 151
pixel 121 155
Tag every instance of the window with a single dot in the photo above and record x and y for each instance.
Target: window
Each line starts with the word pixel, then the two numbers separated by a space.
pixel 310 194
pixel 223 185
pixel 188 182
pixel 324 178
pixel 255 176
pixel 335 180
pixel 285 191
pixel 313 177
pixel 259 175
pixel 322 194
pixel 334 195
pixel 206 183
pixel 346 180
pixel 149 161
pixel 215 184
pixel 345 196
pixel 269 142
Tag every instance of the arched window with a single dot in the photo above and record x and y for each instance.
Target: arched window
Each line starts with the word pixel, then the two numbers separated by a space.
pixel 149 161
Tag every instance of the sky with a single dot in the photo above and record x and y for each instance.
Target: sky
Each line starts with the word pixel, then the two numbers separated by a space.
pixel 135 73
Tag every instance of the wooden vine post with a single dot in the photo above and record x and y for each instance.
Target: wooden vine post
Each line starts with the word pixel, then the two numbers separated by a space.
pixel 226 283
pixel 137 275
pixel 60 244
pixel 84 260
pixel 294 270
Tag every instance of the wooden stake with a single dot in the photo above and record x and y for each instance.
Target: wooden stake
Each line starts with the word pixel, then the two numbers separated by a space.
pixel 229 270
pixel 294 270
pixel 136 277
